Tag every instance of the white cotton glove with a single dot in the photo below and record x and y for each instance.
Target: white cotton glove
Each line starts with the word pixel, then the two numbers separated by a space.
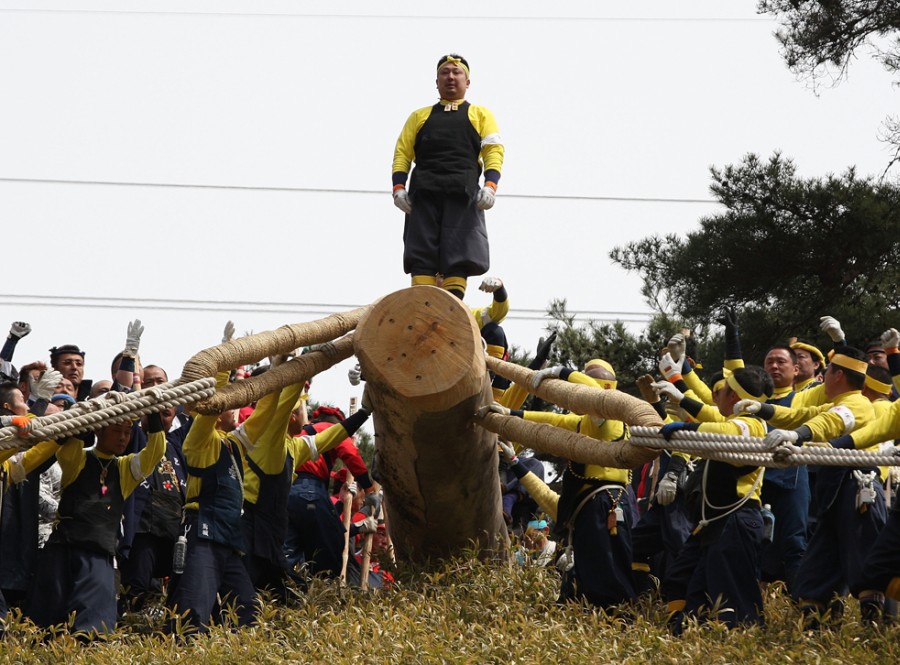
pixel 669 390
pixel 890 338
pixel 546 373
pixel 750 406
pixel 486 198
pixel 490 284
pixel 566 561
pixel 354 375
pixel 352 487
pixel 508 452
pixel 492 408
pixel 667 489
pixel 783 452
pixel 677 346
pixel 366 526
pixel 401 200
pixel 133 339
pixel 668 367
pixel 832 327
pixel 44 387
pixel 228 333
pixel 19 329
pixel 779 436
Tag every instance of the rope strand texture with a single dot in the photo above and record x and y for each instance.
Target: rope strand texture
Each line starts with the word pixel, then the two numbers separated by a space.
pixel 96 413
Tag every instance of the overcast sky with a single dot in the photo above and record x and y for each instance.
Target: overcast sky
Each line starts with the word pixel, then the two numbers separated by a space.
pixel 246 149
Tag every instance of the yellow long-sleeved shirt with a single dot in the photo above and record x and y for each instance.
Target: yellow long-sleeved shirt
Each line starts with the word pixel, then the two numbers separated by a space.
pixel 741 426
pixel 848 412
pixel 495 312
pixel 15 466
pixel 885 427
pixel 607 430
pixel 204 442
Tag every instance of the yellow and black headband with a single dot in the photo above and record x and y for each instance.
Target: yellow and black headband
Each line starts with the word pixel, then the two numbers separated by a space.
pixel 454 60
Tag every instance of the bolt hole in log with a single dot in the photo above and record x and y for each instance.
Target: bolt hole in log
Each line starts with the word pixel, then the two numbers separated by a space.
pixel 438 472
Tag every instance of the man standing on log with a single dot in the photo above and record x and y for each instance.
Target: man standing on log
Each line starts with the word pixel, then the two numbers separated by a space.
pixel 450 143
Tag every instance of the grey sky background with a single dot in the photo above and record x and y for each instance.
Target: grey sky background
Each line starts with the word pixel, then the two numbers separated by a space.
pixel 248 148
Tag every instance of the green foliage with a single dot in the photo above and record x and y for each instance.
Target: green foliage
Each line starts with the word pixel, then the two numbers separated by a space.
pixel 819 39
pixel 784 252
pixel 467 611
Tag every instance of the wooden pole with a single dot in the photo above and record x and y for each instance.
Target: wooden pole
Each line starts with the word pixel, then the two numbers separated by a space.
pixel 345 519
pixel 421 353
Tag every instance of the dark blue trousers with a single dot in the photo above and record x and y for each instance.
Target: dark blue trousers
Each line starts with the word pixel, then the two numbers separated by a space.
pixel 315 534
pixel 721 569
pixel 660 534
pixel 790 505
pixel 72 579
pixel 211 568
pixel 833 562
pixel 603 561
pixel 883 562
pixel 149 558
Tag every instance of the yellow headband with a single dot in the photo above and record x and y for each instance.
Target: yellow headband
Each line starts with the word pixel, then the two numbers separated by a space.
pixel 743 394
pixel 810 348
pixel 718 385
pixel 454 61
pixel 847 362
pixel 878 386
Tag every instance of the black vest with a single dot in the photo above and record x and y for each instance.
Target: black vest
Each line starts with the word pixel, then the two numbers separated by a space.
pixel 447 149
pixel 88 517
pixel 265 522
pixel 221 499
pixel 161 515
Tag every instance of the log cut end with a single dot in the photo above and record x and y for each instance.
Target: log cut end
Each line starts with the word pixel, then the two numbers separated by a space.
pixel 424 343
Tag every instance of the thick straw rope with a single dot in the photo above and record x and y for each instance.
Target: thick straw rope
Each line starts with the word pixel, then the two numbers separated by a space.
pixel 253 348
pixel 96 413
pixel 297 370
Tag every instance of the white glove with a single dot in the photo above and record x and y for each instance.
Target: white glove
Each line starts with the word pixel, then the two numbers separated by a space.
pixel 546 373
pixel 19 329
pixel 667 489
pixel 677 346
pixel 832 327
pixel 890 338
pixel 508 452
pixel 486 198
pixel 44 387
pixel 401 200
pixel 352 487
pixel 366 526
pixel 133 338
pixel 490 284
pixel 669 390
pixel 228 333
pixel 566 560
pixel 783 452
pixel 668 367
pixel 779 436
pixel 750 406
pixel 355 375
pixel 492 408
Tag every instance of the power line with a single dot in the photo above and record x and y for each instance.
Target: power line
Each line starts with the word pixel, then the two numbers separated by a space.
pixel 188 305
pixel 323 190
pixel 596 19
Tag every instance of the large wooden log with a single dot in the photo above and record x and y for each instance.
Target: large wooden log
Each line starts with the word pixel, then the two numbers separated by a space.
pixel 421 354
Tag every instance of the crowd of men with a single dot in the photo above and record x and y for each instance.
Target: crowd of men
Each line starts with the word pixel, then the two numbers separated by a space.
pixel 203 508
pixel 710 534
